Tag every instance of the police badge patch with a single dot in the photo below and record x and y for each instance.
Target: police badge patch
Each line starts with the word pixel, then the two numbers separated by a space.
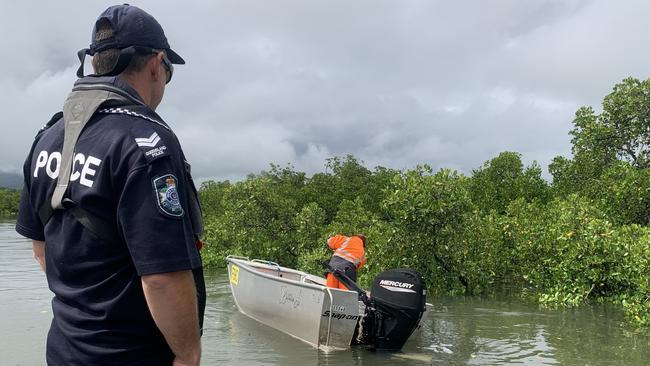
pixel 166 189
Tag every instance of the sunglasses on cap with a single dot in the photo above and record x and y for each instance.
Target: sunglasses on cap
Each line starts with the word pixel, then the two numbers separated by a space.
pixel 126 54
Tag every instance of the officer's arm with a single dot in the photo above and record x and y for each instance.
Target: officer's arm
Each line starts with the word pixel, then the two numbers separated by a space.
pixel 38 247
pixel 171 298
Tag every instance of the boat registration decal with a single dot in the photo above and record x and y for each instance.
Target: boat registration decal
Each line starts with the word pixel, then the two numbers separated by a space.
pixel 234 274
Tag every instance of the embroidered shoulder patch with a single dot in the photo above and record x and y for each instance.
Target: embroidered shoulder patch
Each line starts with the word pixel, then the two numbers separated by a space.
pixel 152 146
pixel 166 190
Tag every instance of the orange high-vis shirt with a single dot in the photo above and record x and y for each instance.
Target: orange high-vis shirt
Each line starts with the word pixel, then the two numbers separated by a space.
pixel 348 248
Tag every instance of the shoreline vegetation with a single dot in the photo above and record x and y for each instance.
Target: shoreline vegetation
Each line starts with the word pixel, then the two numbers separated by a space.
pixel 9 202
pixel 581 238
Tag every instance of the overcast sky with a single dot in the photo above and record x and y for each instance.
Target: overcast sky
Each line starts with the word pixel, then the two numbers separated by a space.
pixel 396 83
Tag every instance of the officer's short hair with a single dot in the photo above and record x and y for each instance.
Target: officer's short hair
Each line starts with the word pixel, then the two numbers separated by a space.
pixel 104 61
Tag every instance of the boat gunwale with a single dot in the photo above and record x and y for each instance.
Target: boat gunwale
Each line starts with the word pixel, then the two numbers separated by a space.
pixel 245 264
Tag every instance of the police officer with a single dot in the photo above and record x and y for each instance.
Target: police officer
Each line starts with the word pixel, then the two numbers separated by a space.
pixel 111 208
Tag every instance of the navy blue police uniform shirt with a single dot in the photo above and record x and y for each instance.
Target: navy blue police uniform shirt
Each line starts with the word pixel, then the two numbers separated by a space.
pixel 129 170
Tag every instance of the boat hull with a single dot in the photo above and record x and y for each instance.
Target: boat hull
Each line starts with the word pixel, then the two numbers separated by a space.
pixel 294 302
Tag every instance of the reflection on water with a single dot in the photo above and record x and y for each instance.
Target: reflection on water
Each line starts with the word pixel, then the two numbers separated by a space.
pixel 456 331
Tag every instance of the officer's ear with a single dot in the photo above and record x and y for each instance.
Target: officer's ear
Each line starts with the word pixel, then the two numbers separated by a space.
pixel 156 67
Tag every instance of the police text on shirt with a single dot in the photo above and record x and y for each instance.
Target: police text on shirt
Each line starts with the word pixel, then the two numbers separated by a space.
pixel 52 164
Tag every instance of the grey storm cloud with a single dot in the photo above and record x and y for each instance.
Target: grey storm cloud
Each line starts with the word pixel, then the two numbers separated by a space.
pixel 396 83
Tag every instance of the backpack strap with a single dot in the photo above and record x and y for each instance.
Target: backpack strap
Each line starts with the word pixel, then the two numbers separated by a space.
pixel 100 227
pixel 77 111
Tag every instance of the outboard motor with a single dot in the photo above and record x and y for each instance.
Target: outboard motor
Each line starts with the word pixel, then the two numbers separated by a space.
pixel 393 309
pixel 397 302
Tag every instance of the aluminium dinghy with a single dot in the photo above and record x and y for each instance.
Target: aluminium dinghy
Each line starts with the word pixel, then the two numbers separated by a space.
pixel 299 304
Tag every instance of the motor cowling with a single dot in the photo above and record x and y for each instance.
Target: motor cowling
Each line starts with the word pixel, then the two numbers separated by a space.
pixel 397 302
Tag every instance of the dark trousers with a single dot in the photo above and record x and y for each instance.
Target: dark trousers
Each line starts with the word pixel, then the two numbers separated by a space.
pixel 347 267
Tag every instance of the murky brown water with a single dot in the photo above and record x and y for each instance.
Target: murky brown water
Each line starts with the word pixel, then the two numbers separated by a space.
pixel 456 332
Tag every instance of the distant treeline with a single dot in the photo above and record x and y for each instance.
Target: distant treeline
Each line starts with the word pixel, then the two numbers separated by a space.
pixel 9 201
pixel 583 237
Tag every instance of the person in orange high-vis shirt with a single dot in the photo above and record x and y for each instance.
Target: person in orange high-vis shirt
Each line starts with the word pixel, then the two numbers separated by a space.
pixel 349 256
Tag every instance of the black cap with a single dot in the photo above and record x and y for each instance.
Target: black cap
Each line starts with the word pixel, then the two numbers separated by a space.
pixel 132 26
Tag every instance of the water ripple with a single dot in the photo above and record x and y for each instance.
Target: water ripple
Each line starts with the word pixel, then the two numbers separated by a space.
pixel 457 331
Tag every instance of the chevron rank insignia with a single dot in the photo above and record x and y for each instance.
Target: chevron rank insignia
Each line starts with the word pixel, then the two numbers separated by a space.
pixel 166 189
pixel 151 145
pixel 150 141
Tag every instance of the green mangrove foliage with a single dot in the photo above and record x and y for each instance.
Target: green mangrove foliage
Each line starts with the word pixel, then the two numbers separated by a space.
pixel 9 201
pixel 583 238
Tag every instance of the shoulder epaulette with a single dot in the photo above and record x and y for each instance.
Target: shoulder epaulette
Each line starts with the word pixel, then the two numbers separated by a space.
pixel 117 110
